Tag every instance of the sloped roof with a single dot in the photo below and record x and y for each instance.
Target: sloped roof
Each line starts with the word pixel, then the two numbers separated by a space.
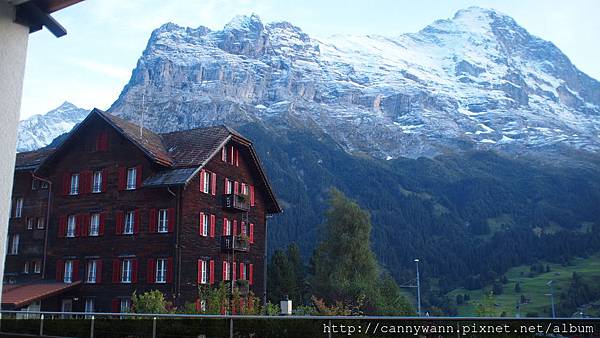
pixel 19 295
pixel 30 160
pixel 170 177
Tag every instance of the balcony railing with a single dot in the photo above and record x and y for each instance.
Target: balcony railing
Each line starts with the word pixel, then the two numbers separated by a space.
pixel 237 243
pixel 236 202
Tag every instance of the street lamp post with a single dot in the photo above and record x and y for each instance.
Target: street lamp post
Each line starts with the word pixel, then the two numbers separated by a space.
pixel 418 289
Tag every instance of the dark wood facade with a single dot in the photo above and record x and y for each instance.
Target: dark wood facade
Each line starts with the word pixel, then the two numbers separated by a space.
pixel 167 197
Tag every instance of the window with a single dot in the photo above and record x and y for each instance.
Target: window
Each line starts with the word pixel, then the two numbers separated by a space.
pixel 41 222
pixel 226 272
pixel 203 305
pixel 163 220
pixel 68 277
pixel 89 305
pixel 129 220
pixel 14 248
pixel 74 184
pixel 26 267
pixel 125 305
pixel 206 182
pixel 245 189
pixel 161 270
pixel 131 178
pixel 227 227
pixel 244 229
pixel 94 224
pixel 242 271
pixel 19 207
pixel 203 224
pixel 44 185
pixel 203 272
pixel 29 223
pixel 92 268
pixel 71 224
pixel 97 181
pixel 126 268
pixel 228 186
pixel 34 184
pixel 37 267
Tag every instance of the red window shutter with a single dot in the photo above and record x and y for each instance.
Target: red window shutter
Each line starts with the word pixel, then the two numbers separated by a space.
pixel 102 221
pixel 234 270
pixel 213 183
pixel 251 195
pixel 231 159
pixel 202 180
pixel 66 183
pixel 223 154
pixel 236 187
pixel 211 271
pixel 86 224
pixel 225 186
pixel 83 183
pixel 138 177
pixel 104 179
pixel 120 222
pixel 116 305
pixel 242 270
pixel 251 237
pixel 116 271
pixel 224 270
pixel 150 277
pixel 78 224
pixel 136 221
pixel 170 270
pixel 75 270
pixel 213 220
pixel 198 308
pixel 199 277
pixel 134 270
pixel 122 178
pixel 60 270
pixel 201 224
pixel 224 226
pixel 250 274
pixel 62 226
pixel 237 157
pixel 171 219
pixel 86 182
pixel 152 221
pixel 235 227
pixel 99 271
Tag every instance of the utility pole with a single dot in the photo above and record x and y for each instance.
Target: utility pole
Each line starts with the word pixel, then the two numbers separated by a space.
pixel 418 289
pixel 550 283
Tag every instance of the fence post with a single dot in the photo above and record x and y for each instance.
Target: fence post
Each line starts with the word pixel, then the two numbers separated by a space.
pixel 231 327
pixel 329 328
pixel 42 324
pixel 92 327
pixel 154 327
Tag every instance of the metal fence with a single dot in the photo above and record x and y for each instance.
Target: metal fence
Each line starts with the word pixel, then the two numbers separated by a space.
pixel 133 325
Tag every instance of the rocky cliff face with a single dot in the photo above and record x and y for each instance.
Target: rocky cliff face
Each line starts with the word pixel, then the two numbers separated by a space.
pixel 39 130
pixel 477 80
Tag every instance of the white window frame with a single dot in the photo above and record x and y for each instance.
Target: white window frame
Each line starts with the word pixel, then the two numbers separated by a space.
pixel 91 271
pixel 19 207
pixel 227 271
pixel 94 226
pixel 68 277
pixel 229 187
pixel 37 267
pixel 44 185
pixel 89 305
pixel 203 272
pixel 71 226
pixel 203 305
pixel 228 227
pixel 126 270
pixel 30 223
pixel 163 221
pixel 41 223
pixel 245 189
pixel 97 182
pixel 129 222
pixel 161 271
pixel 204 226
pixel 244 228
pixel 131 178
pixel 26 267
pixel 34 184
pixel 74 190
pixel 207 182
pixel 125 305
pixel 14 244
pixel 243 272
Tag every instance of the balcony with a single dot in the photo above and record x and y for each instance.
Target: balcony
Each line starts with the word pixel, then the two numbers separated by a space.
pixel 236 202
pixel 237 243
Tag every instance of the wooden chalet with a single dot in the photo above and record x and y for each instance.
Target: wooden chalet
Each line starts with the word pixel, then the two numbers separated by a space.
pixel 117 208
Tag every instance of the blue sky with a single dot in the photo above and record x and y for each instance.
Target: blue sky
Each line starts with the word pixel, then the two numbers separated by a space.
pixel 90 65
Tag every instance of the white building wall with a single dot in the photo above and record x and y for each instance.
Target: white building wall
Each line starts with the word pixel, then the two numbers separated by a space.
pixel 13 52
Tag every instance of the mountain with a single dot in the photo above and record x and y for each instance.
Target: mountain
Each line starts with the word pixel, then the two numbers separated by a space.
pixel 475 81
pixel 39 130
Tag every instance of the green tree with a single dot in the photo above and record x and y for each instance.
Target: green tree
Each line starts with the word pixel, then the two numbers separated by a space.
pixel 149 302
pixel 282 278
pixel 518 287
pixel 345 269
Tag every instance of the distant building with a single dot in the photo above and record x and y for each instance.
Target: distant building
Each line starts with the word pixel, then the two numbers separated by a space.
pixel 117 208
